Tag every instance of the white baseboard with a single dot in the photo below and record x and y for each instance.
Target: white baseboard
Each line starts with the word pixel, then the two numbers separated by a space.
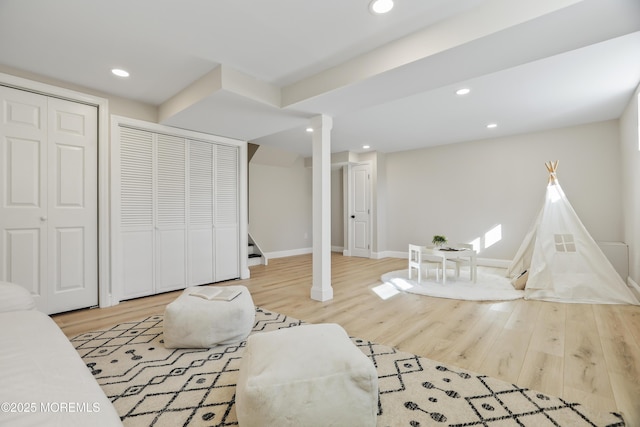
pixel 485 262
pixel 492 262
pixel 392 254
pixel 301 251
pixel 292 252
pixel 374 255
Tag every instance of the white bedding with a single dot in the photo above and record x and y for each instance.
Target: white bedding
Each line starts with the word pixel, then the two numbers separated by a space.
pixel 43 380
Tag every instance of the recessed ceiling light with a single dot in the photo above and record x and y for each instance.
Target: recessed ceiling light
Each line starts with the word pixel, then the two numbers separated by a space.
pixel 492 125
pixel 463 91
pixel 309 130
pixel 120 73
pixel 380 6
pixel 366 147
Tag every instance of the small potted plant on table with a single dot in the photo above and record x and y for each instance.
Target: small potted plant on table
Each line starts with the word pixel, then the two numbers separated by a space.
pixel 439 241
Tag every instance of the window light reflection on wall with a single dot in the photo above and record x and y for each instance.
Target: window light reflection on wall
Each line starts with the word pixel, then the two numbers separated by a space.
pixel 476 244
pixel 493 236
pixel 489 239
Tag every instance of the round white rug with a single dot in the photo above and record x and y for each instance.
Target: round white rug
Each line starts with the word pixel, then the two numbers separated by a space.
pixel 488 287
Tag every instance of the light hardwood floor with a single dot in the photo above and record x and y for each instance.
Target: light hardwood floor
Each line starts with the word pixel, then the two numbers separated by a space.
pixel 581 352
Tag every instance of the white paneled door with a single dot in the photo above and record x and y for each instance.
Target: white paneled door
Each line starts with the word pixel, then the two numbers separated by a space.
pixel 48 199
pixel 360 208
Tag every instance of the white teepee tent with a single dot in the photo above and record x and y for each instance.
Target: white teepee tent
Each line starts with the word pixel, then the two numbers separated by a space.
pixel 560 260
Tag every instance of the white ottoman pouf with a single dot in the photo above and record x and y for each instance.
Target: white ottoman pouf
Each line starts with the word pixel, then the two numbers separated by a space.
pixel 194 322
pixel 309 375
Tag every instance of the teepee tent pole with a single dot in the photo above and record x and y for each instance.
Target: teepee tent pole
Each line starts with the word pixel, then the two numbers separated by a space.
pixel 552 167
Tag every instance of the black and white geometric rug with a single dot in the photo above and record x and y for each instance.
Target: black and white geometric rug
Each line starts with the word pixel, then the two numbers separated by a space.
pixel 154 386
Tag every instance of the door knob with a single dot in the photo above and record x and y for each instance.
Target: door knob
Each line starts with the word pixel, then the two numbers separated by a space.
pixel 353 216
pixel 43 218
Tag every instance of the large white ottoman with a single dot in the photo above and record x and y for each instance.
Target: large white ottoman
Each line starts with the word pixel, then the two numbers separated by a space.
pixel 310 375
pixel 194 322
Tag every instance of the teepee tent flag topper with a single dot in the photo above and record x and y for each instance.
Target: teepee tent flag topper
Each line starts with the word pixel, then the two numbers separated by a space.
pixel 561 262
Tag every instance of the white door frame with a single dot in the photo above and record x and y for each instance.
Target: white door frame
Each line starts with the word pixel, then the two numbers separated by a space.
pixel 348 224
pixel 105 294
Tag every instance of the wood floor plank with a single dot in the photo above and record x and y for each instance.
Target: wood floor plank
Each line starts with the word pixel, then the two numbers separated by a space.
pixel 549 330
pixel 525 316
pixel 592 401
pixel 631 317
pixel 543 372
pixel 472 348
pixel 584 355
pixel 626 391
pixel 622 356
pixel 507 355
pixel 549 347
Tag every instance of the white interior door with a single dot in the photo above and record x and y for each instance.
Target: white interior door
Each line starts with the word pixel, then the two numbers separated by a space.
pixel 73 205
pixel 360 208
pixel 23 183
pixel 48 190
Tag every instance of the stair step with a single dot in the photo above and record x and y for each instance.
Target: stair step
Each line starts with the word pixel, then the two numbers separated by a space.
pixel 254 255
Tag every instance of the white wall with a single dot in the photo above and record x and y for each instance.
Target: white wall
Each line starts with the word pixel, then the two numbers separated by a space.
pixel 464 190
pixel 460 190
pixel 429 191
pixel 280 207
pixel 629 143
pixel 117 106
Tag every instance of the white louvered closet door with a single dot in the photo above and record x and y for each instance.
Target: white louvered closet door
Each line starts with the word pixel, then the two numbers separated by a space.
pixel 137 248
pixel 177 219
pixel 171 237
pixel 201 233
pixel 226 213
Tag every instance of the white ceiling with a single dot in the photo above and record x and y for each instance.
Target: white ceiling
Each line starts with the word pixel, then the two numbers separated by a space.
pixel 259 70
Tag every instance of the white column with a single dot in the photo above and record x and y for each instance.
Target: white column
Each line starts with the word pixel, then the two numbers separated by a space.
pixel 321 289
